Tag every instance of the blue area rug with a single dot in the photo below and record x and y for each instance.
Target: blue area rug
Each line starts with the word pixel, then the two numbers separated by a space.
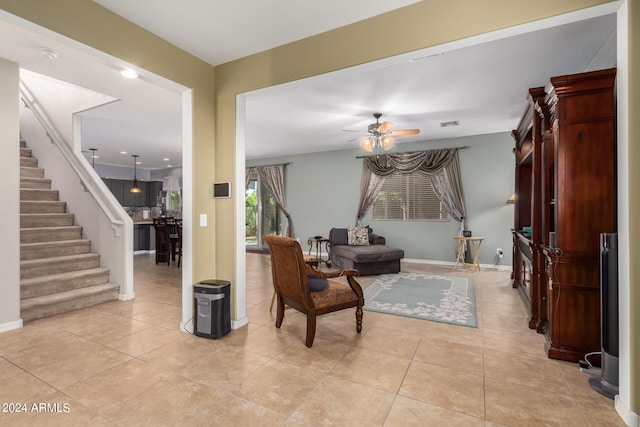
pixel 424 296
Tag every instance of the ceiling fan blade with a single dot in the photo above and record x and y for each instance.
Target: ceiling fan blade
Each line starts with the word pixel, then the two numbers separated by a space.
pixel 384 127
pixel 357 131
pixel 401 132
pixel 357 139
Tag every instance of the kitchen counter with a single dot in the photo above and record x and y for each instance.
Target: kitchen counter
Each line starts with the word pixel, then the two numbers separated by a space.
pixel 141 220
pixel 144 236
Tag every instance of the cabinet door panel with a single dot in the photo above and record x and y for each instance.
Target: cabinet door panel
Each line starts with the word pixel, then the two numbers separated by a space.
pixel 116 189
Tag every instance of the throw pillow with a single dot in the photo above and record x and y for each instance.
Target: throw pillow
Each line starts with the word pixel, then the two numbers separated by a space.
pixel 358 236
pixel 338 236
pixel 317 284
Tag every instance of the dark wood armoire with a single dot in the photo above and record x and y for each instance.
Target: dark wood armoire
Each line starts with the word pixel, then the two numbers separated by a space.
pixel 565 197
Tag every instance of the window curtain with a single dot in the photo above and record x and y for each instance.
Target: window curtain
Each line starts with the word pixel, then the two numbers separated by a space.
pixel 247 176
pixel 272 177
pixel 442 167
pixel 448 187
pixel 370 186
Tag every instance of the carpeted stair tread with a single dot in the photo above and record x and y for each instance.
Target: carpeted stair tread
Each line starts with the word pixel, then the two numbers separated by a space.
pixel 42 206
pixel 31 172
pixel 58 248
pixel 65 296
pixel 58 259
pixel 50 234
pixel 62 282
pixel 59 264
pixel 48 219
pixel 54 244
pixel 59 277
pixel 33 182
pixel 38 194
pixel 49 305
pixel 31 162
pixel 51 228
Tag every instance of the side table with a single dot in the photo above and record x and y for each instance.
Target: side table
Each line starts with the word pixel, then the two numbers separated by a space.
pixel 317 259
pixel 474 245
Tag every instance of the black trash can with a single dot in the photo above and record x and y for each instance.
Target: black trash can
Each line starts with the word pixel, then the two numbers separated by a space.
pixel 212 308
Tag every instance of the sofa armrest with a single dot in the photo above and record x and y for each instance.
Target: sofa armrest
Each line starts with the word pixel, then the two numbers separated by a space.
pixel 376 239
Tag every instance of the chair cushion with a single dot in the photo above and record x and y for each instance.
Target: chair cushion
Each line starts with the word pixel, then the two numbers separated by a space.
pixel 372 253
pixel 337 293
pixel 317 284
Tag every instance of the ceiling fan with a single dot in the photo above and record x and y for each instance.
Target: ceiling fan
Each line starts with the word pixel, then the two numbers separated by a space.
pixel 379 135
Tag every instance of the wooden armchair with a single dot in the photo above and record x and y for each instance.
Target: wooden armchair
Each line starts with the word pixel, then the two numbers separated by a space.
pixel 291 284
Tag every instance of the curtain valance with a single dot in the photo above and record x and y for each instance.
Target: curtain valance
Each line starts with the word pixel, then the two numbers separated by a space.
pixel 440 166
pixel 426 162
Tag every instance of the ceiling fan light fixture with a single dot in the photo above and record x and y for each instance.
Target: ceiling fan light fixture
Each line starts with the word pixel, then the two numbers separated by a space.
pixel 387 143
pixel 380 136
pixel 366 145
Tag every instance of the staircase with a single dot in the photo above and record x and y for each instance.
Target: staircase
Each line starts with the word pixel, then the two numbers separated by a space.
pixel 58 272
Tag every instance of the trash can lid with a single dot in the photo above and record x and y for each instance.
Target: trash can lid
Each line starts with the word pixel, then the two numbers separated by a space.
pixel 212 284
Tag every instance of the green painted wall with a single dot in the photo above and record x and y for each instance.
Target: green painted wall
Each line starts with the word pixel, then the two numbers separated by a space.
pixel 323 190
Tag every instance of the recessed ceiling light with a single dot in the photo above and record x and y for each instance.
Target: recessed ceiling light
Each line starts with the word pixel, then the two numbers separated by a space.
pixel 123 152
pixel 138 163
pixel 49 53
pixel 130 74
pixel 169 166
pixel 95 157
pixel 451 123
pixel 166 159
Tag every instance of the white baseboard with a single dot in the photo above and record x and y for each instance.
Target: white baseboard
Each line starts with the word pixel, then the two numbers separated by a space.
pixel 629 417
pixel 452 264
pixel 126 297
pixel 143 252
pixel 236 324
pixel 187 326
pixel 10 326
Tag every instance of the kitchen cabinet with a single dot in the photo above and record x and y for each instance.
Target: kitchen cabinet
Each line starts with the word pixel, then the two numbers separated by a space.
pixel 143 237
pixel 154 188
pixel 147 197
pixel 116 186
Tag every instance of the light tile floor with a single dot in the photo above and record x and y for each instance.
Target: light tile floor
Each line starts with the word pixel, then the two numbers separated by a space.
pixel 127 363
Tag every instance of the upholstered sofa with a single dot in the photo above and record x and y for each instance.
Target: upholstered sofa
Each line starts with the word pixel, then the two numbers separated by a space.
pixel 372 258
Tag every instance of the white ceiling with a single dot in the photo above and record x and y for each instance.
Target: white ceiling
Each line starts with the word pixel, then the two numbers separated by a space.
pixel 220 31
pixel 481 83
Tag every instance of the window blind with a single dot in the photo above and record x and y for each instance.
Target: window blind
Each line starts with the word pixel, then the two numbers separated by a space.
pixel 408 198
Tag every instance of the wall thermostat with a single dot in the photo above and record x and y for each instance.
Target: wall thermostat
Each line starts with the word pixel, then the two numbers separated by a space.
pixel 221 190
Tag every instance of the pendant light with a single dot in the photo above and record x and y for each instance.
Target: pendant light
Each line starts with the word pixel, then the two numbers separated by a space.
pixel 135 188
pixel 93 157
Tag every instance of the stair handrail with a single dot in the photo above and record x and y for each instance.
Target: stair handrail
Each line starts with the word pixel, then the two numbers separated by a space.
pixel 80 168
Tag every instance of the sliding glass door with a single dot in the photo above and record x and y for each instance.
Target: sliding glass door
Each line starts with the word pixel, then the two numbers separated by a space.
pixel 262 214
